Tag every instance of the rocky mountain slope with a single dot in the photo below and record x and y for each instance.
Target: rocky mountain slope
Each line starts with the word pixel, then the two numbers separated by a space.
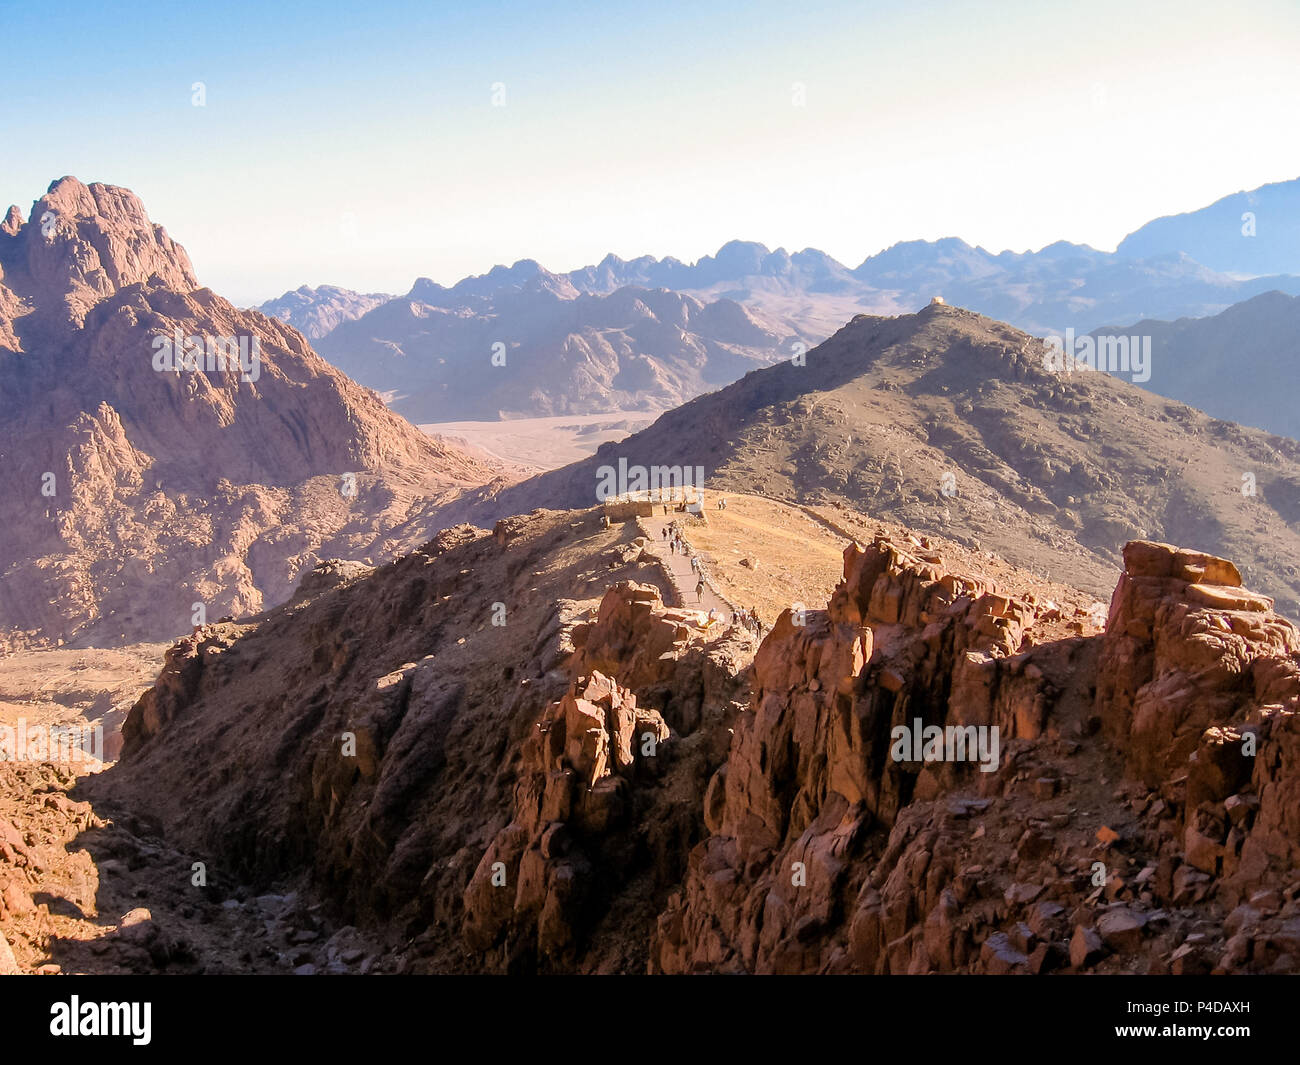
pixel 1234 364
pixel 537 347
pixel 138 492
pixel 314 312
pixel 954 424
pixel 623 790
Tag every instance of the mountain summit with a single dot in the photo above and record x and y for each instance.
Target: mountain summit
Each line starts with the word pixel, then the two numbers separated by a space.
pixel 167 449
pixel 959 425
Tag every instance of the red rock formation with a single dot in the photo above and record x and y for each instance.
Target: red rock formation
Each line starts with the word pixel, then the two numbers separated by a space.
pixel 811 769
pixel 829 853
pixel 587 778
pixel 1199 686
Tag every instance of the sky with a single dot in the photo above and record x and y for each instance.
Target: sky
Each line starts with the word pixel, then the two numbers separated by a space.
pixel 369 144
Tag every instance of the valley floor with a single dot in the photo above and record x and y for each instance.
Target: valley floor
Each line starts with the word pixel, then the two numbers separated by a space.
pixel 534 444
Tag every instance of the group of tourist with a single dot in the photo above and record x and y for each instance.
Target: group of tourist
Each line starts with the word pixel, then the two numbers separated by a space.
pixel 678 544
pixel 748 619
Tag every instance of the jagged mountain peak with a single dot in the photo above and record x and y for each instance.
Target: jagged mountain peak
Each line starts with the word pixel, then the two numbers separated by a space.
pixel 111 222
pixel 161 438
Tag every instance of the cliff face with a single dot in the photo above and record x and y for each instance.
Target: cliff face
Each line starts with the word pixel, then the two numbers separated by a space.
pixel 146 481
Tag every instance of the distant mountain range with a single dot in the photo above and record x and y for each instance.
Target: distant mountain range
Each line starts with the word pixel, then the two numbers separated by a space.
pixel 541 348
pixel 315 311
pixel 434 343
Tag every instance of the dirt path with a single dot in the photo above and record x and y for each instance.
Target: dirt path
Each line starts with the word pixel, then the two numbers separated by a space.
pixel 679 568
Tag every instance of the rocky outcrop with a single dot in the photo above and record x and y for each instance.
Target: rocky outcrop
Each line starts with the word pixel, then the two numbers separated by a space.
pixel 597 782
pixel 943 771
pixel 574 785
pixel 377 740
pixel 815 764
pixel 833 850
pixel 1199 687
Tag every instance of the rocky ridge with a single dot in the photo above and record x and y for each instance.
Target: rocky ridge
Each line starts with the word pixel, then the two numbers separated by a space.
pixel 957 425
pixel 673 801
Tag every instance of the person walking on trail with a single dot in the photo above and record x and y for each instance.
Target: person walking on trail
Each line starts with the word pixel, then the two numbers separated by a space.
pixel 695 565
pixel 699 591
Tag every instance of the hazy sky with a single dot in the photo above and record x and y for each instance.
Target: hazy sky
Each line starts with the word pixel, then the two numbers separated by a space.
pixel 359 144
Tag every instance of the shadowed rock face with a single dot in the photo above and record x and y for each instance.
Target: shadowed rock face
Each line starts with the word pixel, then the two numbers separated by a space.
pixel 139 492
pixel 449 760
pixel 601 786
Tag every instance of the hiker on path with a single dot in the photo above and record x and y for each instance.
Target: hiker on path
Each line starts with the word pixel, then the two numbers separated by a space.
pixel 699 591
